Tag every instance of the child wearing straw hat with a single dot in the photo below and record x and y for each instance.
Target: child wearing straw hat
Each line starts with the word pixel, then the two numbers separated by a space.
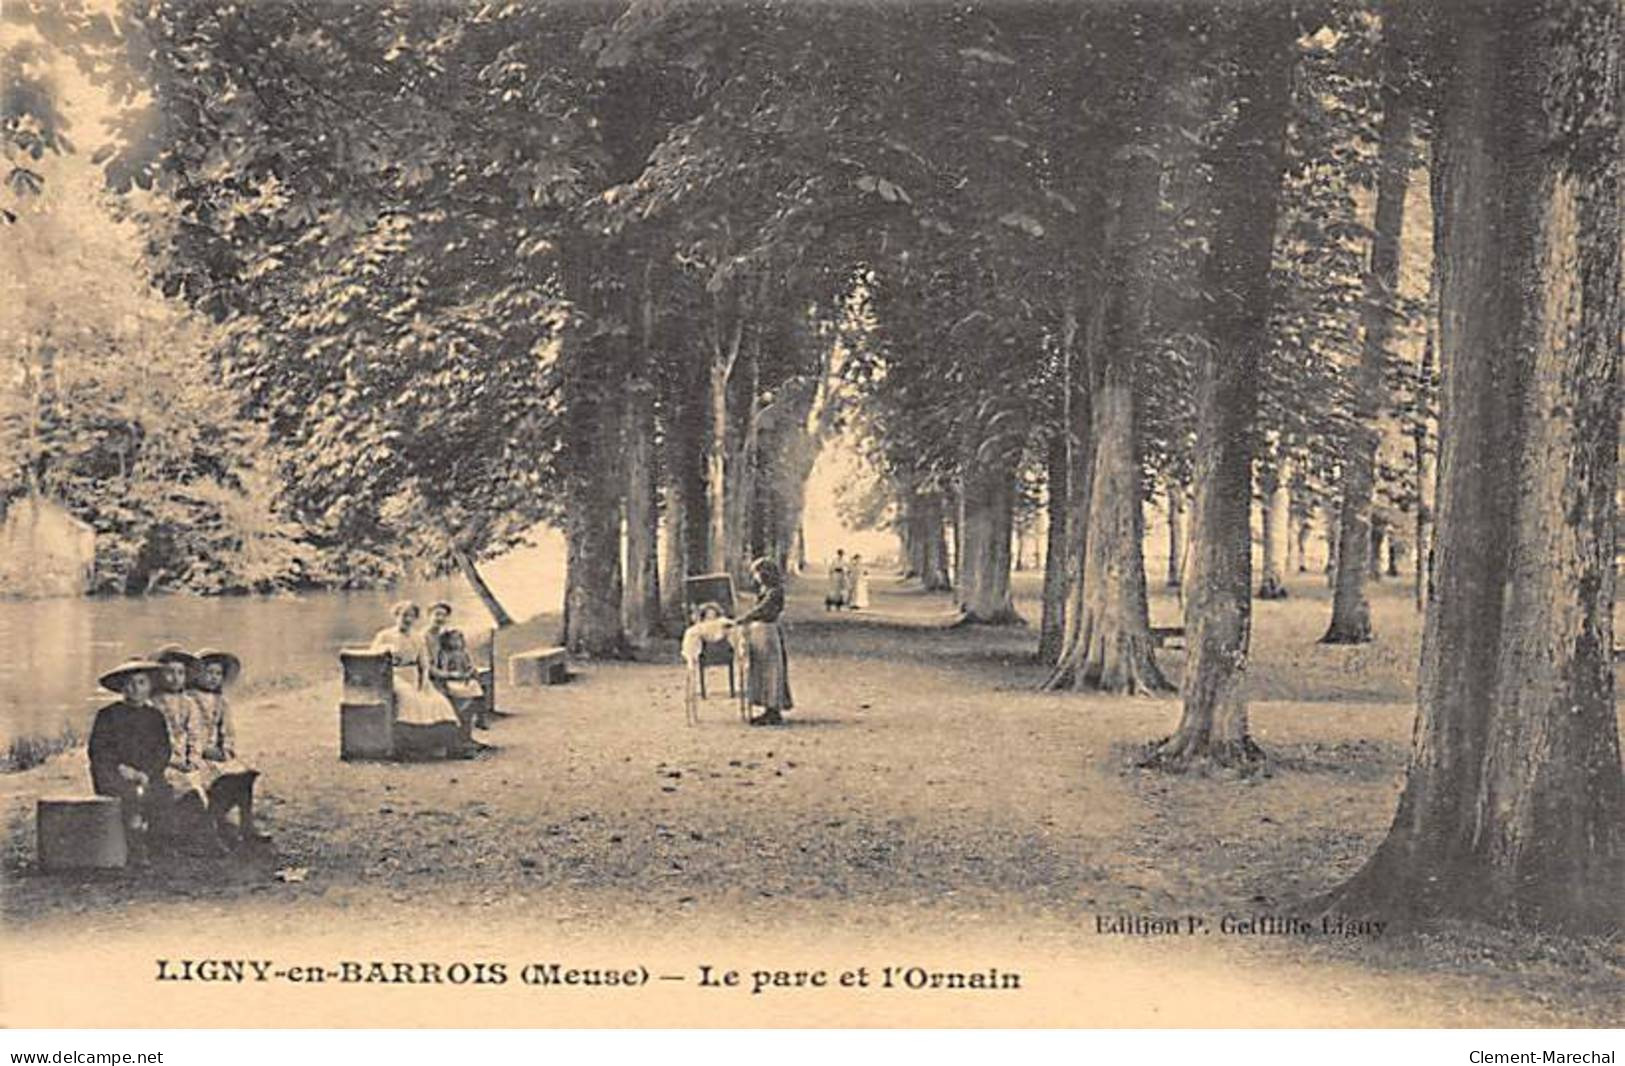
pixel 187 774
pixel 129 751
pixel 233 786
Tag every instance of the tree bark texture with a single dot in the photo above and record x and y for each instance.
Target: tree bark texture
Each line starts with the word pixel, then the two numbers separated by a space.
pixel 1513 810
pixel 1351 611
pixel 1176 535
pixel 988 494
pixel 1247 169
pixel 476 581
pixel 928 546
pixel 1052 623
pixel 1277 527
pixel 592 598
pixel 640 604
pixel 1110 646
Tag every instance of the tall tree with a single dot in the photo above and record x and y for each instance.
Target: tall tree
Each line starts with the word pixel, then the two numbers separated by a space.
pixel 1514 804
pixel 1351 611
pixel 1247 165
pixel 1109 644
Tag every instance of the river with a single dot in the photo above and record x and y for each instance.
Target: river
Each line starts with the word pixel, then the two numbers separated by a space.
pixel 55 649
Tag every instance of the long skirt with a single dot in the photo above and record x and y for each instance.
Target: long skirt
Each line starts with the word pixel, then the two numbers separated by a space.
pixel 426 724
pixel 768 682
pixel 836 595
pixel 421 706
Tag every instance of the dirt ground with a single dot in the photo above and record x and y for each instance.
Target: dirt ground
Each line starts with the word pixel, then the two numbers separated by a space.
pixel 924 805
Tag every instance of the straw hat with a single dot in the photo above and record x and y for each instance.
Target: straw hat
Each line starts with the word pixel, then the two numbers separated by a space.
pixel 113 680
pixel 228 662
pixel 174 653
pixel 437 604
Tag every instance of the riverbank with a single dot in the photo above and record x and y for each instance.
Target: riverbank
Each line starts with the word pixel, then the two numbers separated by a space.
pixel 925 806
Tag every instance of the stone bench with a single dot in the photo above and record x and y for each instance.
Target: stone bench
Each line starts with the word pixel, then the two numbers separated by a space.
pixel 80 833
pixel 1168 636
pixel 367 705
pixel 538 666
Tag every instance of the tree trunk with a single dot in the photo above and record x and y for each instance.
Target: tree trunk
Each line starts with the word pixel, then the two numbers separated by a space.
pixel 1246 177
pixel 1109 645
pixel 1277 527
pixel 929 545
pixel 1351 612
pixel 1332 528
pixel 674 559
pixel 1052 626
pixel 592 598
pixel 724 356
pixel 741 536
pixel 1379 546
pixel 687 519
pixel 1058 574
pixel 1176 534
pixel 1514 804
pixel 1423 451
pixel 1113 650
pixel 641 599
pixel 716 468
pixel 988 493
pixel 471 573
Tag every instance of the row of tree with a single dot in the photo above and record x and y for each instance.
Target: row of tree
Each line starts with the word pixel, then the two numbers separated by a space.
pixel 624 266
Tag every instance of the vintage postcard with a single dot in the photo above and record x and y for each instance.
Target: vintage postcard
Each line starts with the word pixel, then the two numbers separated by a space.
pixel 758 513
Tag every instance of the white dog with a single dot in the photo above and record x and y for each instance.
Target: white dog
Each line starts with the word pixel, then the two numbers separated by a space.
pixel 711 627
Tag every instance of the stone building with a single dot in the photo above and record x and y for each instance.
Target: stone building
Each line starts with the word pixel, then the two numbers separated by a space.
pixel 44 550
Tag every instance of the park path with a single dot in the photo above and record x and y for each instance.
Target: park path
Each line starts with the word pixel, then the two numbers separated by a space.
pixel 925 806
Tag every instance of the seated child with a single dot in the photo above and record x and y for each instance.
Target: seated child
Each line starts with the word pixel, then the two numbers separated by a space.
pixel 454 670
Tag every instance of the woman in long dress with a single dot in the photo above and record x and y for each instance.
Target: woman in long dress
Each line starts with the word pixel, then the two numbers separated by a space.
pixel 767 684
pixel 860 584
pixel 425 722
pixel 835 597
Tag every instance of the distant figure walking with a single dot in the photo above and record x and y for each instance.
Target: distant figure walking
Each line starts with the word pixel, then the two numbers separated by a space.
pixel 858 580
pixel 767 685
pixel 835 598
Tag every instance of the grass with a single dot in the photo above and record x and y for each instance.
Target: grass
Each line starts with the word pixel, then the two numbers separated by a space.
pixel 24 753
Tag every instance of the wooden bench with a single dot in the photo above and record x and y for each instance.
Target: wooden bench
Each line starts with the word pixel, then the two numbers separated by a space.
pixel 80 833
pixel 1168 636
pixel 367 705
pixel 538 666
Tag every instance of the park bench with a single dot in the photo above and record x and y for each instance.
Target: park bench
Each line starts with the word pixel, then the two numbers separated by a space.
pixel 367 705
pixel 538 666
pixel 80 833
pixel 1168 636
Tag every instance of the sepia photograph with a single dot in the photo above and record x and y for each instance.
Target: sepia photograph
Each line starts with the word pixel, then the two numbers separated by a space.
pixel 762 514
